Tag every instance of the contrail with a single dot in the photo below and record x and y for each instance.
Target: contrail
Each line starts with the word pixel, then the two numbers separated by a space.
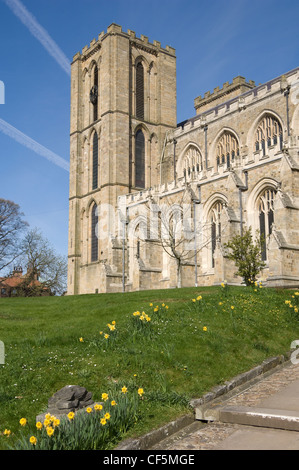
pixel 39 33
pixel 33 145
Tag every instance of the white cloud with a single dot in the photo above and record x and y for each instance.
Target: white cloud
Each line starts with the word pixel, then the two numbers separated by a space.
pixel 23 139
pixel 39 33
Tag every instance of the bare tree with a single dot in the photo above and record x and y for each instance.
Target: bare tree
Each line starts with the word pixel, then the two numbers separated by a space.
pixel 178 232
pixel 46 270
pixel 12 226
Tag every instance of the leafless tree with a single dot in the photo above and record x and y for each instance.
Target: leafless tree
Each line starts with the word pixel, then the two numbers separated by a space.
pixel 43 265
pixel 12 227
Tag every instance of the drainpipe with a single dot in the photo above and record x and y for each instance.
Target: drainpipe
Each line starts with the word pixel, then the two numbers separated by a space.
pixel 195 201
pixel 174 162
pixel 286 94
pixel 241 189
pixel 206 145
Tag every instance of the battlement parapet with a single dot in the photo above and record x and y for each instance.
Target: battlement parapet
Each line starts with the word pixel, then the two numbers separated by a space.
pixel 114 28
pixel 219 95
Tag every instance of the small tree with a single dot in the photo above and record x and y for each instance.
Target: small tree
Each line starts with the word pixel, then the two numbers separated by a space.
pixel 246 253
pixel 44 265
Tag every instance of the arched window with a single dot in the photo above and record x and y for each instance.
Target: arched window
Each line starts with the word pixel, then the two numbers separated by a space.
pixel 95 160
pixel 215 219
pixel 227 149
pixel 94 233
pixel 192 163
pixel 266 217
pixel 94 93
pixel 139 91
pixel 139 159
pixel 268 134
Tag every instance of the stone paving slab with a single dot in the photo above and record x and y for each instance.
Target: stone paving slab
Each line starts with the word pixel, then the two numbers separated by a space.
pixel 275 389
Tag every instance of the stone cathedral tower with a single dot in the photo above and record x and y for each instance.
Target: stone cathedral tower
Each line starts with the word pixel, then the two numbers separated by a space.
pixel 123 103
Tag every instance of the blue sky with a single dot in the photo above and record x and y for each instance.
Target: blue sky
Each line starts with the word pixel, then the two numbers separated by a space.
pixel 215 41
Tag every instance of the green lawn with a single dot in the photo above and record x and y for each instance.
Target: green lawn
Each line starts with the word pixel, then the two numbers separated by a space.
pixel 181 353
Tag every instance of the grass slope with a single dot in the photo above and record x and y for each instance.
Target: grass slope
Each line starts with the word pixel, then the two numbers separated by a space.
pixel 205 337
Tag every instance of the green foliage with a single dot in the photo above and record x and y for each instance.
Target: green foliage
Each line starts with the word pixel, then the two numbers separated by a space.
pixel 246 253
pixel 95 428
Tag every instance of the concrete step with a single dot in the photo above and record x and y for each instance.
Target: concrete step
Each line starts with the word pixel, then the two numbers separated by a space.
pixel 262 417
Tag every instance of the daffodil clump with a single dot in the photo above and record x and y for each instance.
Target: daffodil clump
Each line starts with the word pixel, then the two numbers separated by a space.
pixel 95 428
pixel 293 303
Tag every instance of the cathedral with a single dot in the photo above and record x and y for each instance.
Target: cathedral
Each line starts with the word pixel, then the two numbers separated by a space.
pixel 153 202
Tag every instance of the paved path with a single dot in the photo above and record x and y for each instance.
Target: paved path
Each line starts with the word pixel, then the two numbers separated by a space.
pixel 273 400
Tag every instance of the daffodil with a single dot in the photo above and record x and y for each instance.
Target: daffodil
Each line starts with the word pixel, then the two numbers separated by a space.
pixel 140 391
pixel 103 421
pixel 124 390
pixel 71 415
pixel 113 403
pixel 50 431
pixel 98 407
pixel 39 425
pixel 104 396
pixel 88 409
pixel 7 432
pixel 23 421
pixel 33 440
pixel 107 416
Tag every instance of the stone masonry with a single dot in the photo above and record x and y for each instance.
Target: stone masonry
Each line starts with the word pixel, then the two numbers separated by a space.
pixel 235 164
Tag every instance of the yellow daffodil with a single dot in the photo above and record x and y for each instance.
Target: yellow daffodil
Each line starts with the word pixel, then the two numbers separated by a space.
pixel 33 440
pixel 113 403
pixel 107 416
pixel 81 340
pixel 7 432
pixel 205 328
pixel 104 396
pixel 71 415
pixel 98 407
pixel 23 421
pixel 140 391
pixel 89 410
pixel 124 390
pixel 39 425
pixel 50 431
pixel 106 336
pixel 103 421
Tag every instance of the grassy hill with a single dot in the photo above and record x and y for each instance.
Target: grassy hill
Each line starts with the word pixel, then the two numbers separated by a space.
pixel 185 342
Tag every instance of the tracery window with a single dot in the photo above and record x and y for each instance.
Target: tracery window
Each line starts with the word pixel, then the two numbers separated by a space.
pixel 95 160
pixel 266 218
pixel 139 91
pixel 139 159
pixel 227 149
pixel 192 162
pixel 215 220
pixel 94 233
pixel 268 134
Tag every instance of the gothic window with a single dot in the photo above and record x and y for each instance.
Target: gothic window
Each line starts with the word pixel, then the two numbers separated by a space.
pixel 95 161
pixel 139 159
pixel 94 93
pixel 215 219
pixel 268 134
pixel 94 233
pixel 139 91
pixel 227 149
pixel 192 163
pixel 266 218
